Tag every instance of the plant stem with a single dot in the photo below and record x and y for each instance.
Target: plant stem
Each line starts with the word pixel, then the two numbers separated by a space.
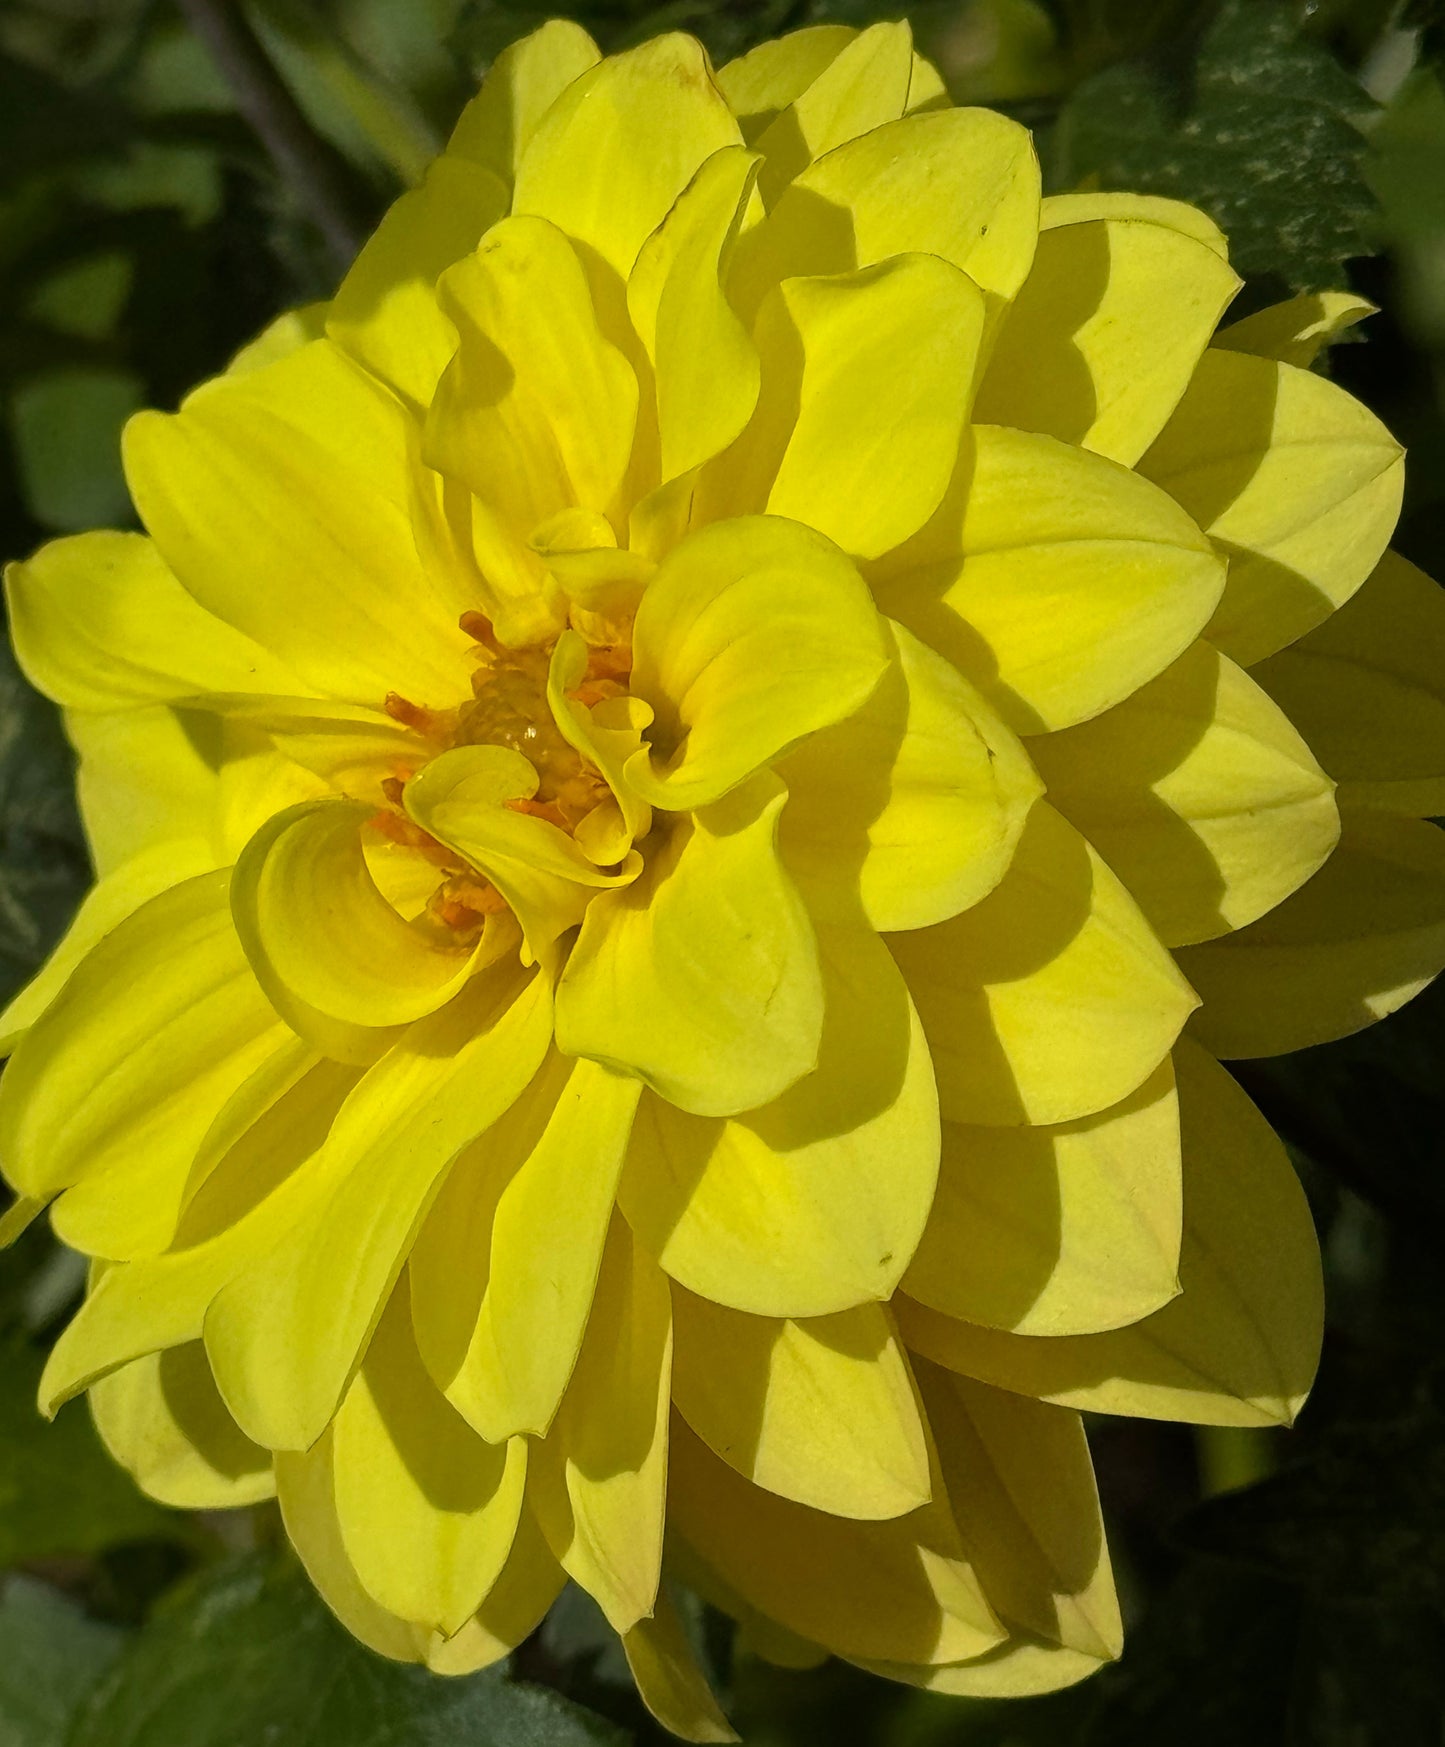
pixel 303 158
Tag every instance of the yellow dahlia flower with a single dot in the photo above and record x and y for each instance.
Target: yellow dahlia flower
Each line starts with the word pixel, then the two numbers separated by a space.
pixel 667 782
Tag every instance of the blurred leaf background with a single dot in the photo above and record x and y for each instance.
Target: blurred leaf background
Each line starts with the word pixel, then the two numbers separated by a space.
pixel 1283 1589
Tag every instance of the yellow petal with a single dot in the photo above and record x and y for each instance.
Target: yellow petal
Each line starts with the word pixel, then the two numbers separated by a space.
pixel 1297 483
pixel 775 73
pixel 1068 209
pixel 704 365
pixel 514 1607
pixel 864 85
pixel 282 1341
pixel 504 1270
pixel 100 623
pixel 461 799
pixel 600 1474
pixel 1297 331
pixel 752 634
pixel 385 310
pixel 289 332
pixel 822 1410
pixel 163 1421
pixel 536 412
pixel 305 1489
pixel 1052 998
pixel 1057 1230
pixel 114 1088
pixel 607 734
pixel 1361 939
pixel 912 807
pixel 1024 1667
pixel 625 139
pixel 318 930
pixel 116 896
pixel 815 1202
pixel 1199 794
pixel 897 1589
pixel 248 1201
pixel 1054 580
pixel 959 183
pixel 669 1681
pixel 346 602
pixel 1102 339
pixel 1367 690
pixel 149 778
pixel 522 84
pixel 427 1511
pixel 1240 1343
pixel 1022 1488
pixel 701 978
pixel 866 385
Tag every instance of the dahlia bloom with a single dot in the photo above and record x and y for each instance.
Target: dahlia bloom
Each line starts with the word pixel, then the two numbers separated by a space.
pixel 686 787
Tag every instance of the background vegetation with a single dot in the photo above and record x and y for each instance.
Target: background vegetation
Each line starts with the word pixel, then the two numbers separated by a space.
pixel 1283 1590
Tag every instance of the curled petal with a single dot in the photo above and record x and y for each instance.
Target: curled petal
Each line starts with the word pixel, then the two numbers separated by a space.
pixel 752 634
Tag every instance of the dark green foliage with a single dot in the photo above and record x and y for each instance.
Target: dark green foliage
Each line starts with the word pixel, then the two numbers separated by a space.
pixel 245 1654
pixel 1262 129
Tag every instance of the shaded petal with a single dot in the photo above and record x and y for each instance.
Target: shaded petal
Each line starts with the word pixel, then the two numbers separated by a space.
pixel 111 1092
pixel 504 1271
pixel 1361 939
pixel 346 601
pixel 815 1202
pixel 822 1410
pixel 669 1681
pixel 1104 335
pixel 283 1342
pixel 100 623
pixel 1296 331
pixel 1199 794
pixel 249 1200
pixel 1052 998
pixel 864 85
pixel 752 634
pixel 521 85
pixel 897 1589
pixel 1057 1229
pixel 1022 1489
pixel 1023 1667
pixel 461 799
pixel 1367 690
pixel 427 1512
pixel 536 412
pixel 1239 1345
pixel 164 1422
pixel 118 895
pixel 701 978
pixel 385 311
pixel 1297 483
pixel 912 807
pixel 600 1474
pixel 959 183
pixel 776 73
pixel 867 378
pixel 607 735
pixel 1058 210
pixel 705 367
pixel 150 779
pixel 615 151
pixel 1056 581
pixel 513 1609
pixel 319 931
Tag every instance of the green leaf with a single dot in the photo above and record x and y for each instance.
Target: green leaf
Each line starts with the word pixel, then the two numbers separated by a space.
pixel 53 1656
pixel 1266 138
pixel 60 1492
pixel 66 425
pixel 245 1653
pixel 43 865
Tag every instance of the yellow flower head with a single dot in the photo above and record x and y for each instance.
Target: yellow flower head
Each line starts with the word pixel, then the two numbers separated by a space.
pixel 665 784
